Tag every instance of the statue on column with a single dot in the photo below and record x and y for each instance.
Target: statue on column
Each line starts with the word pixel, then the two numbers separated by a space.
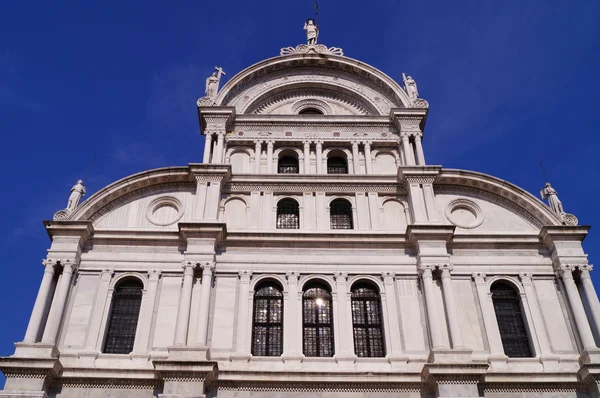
pixel 312 31
pixel 548 193
pixel 77 193
pixel 411 87
pixel 212 83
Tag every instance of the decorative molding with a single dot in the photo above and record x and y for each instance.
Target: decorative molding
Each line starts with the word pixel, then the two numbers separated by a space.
pixel 470 206
pixel 205 101
pixel 569 219
pixel 235 187
pixel 420 103
pixel 314 97
pixel 311 48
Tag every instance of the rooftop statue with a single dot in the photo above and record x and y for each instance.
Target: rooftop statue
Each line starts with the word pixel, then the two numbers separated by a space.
pixel 548 193
pixel 77 193
pixel 312 31
pixel 411 87
pixel 212 83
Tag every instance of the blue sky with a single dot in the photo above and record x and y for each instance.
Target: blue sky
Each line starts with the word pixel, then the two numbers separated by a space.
pixel 508 82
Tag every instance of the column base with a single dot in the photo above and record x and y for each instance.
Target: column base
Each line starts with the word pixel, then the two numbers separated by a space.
pixel 457 355
pixel 240 357
pixel 35 350
pixel 498 363
pixel 345 360
pixel 590 355
pixel 188 353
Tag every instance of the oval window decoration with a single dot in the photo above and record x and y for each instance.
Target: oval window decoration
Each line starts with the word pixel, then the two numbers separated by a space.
pixel 164 211
pixel 464 213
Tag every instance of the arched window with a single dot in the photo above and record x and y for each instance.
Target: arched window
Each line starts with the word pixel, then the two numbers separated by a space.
pixel 337 165
pixel 267 325
pixel 123 319
pixel 366 321
pixel 310 111
pixel 509 314
pixel 340 214
pixel 288 165
pixel 317 321
pixel 288 214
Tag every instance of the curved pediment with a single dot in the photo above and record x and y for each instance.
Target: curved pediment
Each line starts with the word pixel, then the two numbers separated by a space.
pixel 347 85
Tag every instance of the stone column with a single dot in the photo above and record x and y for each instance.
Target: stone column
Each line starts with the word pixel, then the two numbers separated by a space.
pixel 257 155
pixel 58 305
pixel 319 155
pixel 453 321
pixel 408 151
pixel 432 314
pixel 269 157
pixel 202 329
pixel 98 311
pixel 218 152
pixel 145 322
pixel 585 332
pixel 392 324
pixel 419 147
pixel 207 148
pixel 368 160
pixel 590 294
pixel 355 157
pixel 345 351
pixel 37 315
pixel 306 157
pixel 489 317
pixel 185 302
pixel 292 340
pixel 536 314
pixel 241 346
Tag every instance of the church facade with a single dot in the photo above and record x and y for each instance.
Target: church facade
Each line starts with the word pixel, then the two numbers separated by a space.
pixel 313 252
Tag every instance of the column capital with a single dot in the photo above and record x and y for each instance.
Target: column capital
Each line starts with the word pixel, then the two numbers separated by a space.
pixel 270 143
pixel 585 270
pixel 188 267
pixel 259 141
pixel 479 277
pixel 388 277
pixel 366 143
pixel 446 269
pixel 306 142
pixel 355 144
pixel 526 278
pixel 566 271
pixel 292 276
pixel 340 276
pixel 207 269
pixel 107 274
pixel 318 142
pixel 245 276
pixel 426 271
pixel 154 275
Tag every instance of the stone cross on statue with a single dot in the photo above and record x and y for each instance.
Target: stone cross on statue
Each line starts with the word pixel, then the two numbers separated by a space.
pixel 212 83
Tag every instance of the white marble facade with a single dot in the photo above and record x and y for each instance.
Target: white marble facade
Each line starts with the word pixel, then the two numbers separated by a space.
pixel 200 239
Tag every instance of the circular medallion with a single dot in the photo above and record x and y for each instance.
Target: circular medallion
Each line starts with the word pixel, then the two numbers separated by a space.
pixel 464 213
pixel 165 210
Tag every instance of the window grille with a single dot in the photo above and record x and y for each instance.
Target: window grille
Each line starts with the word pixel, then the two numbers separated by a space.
pixel 337 165
pixel 123 319
pixel 340 214
pixel 509 315
pixel 288 165
pixel 317 322
pixel 288 214
pixel 366 322
pixel 267 327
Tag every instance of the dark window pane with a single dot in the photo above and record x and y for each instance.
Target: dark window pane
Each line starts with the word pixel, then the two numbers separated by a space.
pixel 366 322
pixel 288 214
pixel 288 165
pixel 337 165
pixel 340 213
pixel 509 315
pixel 123 319
pixel 317 322
pixel 267 328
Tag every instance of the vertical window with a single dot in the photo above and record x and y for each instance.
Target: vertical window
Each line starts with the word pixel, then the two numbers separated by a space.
pixel 123 319
pixel 366 321
pixel 509 314
pixel 288 214
pixel 288 165
pixel 317 321
pixel 340 214
pixel 267 326
pixel 337 165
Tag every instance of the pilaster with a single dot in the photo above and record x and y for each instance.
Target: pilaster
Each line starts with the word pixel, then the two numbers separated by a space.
pixel 209 180
pixel 215 122
pixel 419 182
